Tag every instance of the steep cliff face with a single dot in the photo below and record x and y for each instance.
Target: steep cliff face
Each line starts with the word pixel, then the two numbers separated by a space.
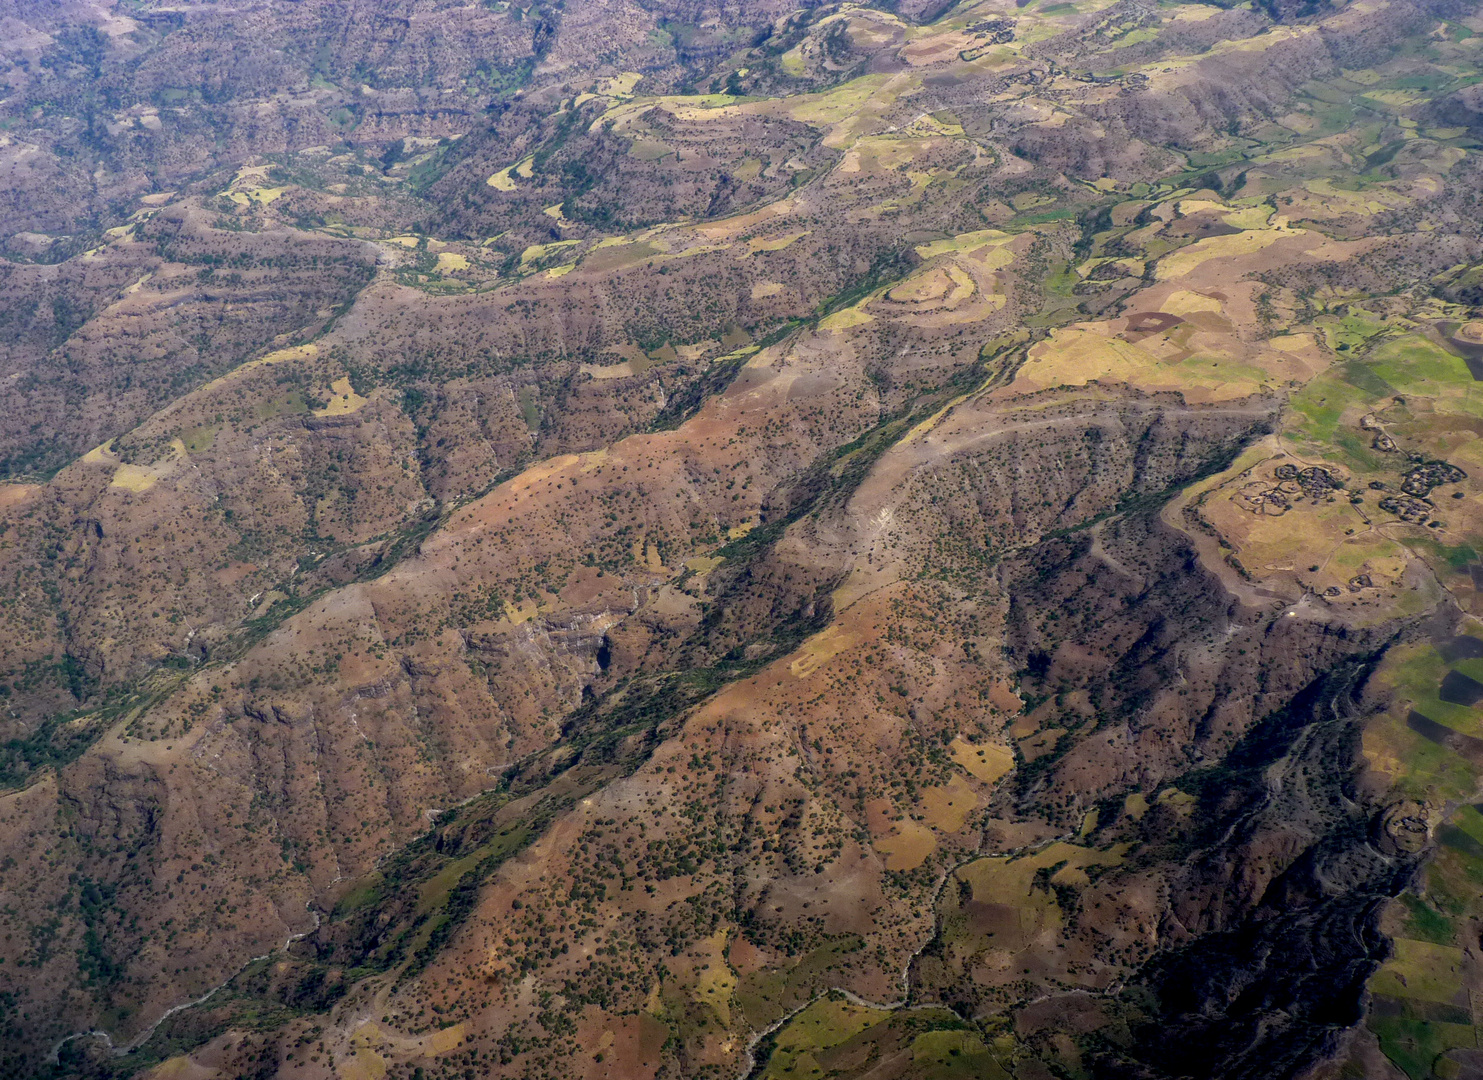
pixel 1213 865
pixel 135 97
pixel 1273 932
pixel 763 804
pixel 293 779
pixel 95 348
pixel 1219 746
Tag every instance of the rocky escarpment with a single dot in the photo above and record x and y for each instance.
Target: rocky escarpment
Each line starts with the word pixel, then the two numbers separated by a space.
pixel 1268 982
pixel 1133 131
pixel 92 348
pixel 1141 675
pixel 1172 668
pixel 1221 743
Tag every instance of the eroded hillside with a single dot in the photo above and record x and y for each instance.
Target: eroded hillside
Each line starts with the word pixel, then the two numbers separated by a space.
pixel 610 541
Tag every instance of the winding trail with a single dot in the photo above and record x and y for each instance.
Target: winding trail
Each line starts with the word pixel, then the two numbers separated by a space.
pixel 54 1057
pixel 1338 706
pixel 752 1069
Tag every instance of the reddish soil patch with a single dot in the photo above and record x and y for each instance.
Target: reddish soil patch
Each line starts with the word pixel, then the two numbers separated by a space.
pixel 880 814
pixel 745 957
